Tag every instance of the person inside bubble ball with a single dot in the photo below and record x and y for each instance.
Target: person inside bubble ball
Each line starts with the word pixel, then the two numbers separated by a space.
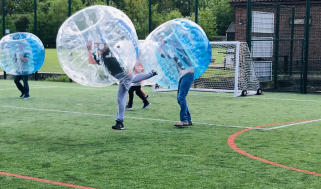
pixel 114 68
pixel 169 48
pixel 105 55
pixel 21 60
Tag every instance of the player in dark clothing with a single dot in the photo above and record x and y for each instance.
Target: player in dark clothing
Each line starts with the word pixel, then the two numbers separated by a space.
pixel 105 55
pixel 21 60
pixel 116 70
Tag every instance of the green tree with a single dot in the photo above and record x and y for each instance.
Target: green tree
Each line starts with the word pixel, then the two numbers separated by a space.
pixel 224 16
pixel 120 4
pixel 186 7
pixel 172 15
pixel 160 18
pixel 222 11
pixel 22 23
pixel 207 21
pixel 93 2
pixel 9 24
pixel 51 15
pixel 137 11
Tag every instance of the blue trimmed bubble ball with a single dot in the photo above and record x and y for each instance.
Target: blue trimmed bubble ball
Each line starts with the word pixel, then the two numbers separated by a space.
pixel 97 46
pixel 21 53
pixel 175 48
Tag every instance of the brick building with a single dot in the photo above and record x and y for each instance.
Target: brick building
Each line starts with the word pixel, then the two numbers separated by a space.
pixel 291 43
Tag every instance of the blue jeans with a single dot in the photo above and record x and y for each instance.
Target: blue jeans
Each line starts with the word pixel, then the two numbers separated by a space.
pixel 25 88
pixel 183 87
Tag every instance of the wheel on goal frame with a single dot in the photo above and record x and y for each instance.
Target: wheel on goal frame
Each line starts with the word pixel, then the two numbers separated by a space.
pixel 244 93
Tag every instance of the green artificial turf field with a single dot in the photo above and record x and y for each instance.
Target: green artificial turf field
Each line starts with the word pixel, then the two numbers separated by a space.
pixel 61 137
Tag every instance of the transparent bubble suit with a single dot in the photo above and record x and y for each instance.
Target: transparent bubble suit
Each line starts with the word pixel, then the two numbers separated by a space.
pixel 174 47
pixel 94 25
pixel 21 44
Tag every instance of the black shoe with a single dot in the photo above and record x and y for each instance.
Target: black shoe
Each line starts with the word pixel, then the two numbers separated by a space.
pixel 190 123
pixel 146 105
pixel 128 107
pixel 22 95
pixel 154 72
pixel 119 126
pixel 146 96
pixel 26 97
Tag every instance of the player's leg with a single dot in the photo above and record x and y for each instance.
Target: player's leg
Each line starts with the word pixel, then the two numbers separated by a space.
pixel 16 80
pixel 184 86
pixel 145 95
pixel 131 98
pixel 142 96
pixel 123 87
pixel 144 76
pixel 25 86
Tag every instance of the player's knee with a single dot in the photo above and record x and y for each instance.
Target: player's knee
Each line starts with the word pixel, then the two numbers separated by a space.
pixel 180 100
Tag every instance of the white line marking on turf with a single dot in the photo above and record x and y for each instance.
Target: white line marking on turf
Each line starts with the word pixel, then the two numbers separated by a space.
pixel 249 97
pixel 286 99
pixel 292 124
pixel 191 93
pixel 31 88
pixel 106 115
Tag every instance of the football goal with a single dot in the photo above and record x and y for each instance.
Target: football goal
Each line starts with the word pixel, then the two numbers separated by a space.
pixel 231 70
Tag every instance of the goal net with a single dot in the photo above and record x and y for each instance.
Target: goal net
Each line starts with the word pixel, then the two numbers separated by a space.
pixel 231 70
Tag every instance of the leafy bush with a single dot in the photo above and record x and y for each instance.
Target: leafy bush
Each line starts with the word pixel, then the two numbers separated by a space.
pixel 62 78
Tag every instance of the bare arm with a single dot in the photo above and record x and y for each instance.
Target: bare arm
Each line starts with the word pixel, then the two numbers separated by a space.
pixel 91 59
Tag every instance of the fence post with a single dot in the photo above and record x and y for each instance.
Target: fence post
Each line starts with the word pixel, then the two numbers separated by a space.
pixel 150 17
pixel 292 37
pixel 107 1
pixel 306 54
pixel 196 11
pixel 3 30
pixel 301 64
pixel 276 48
pixel 248 24
pixel 35 28
pixel 69 14
pixel 3 19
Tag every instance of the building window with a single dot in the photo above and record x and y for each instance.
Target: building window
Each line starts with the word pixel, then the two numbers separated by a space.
pixel 262 47
pixel 262 22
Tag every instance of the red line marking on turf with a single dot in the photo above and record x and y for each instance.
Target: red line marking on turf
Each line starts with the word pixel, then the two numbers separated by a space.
pixel 232 144
pixel 44 180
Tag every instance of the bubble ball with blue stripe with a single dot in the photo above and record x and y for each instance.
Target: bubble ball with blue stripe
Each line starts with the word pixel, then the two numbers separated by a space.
pixel 21 53
pixel 175 48
pixel 97 46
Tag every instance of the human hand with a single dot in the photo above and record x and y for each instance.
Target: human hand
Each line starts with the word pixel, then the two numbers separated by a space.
pixel 89 46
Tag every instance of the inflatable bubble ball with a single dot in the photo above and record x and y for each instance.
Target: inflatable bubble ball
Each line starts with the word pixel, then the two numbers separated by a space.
pixel 175 48
pixel 97 46
pixel 21 53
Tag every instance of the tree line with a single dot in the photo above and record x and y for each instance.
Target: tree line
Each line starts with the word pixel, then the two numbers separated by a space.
pixel 214 16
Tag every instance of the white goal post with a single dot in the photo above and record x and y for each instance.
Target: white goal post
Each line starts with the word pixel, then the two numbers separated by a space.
pixel 231 70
